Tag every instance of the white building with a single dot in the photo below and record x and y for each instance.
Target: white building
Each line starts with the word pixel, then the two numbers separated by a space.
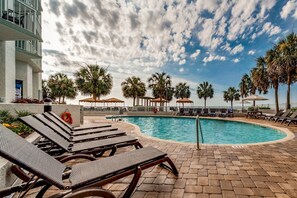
pixel 20 49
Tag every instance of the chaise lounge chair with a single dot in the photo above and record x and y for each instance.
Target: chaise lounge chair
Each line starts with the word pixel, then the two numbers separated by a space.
pixel 289 119
pixel 223 113
pixel 95 147
pixel 268 117
pixel 213 112
pixel 69 136
pixel 59 120
pixel 82 179
pixel 284 115
pixel 53 119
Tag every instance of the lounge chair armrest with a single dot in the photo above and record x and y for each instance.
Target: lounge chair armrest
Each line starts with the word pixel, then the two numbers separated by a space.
pixel 87 192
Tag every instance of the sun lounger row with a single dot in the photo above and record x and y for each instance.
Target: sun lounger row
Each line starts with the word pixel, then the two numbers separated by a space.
pixel 83 179
pixel 205 112
pixel 286 117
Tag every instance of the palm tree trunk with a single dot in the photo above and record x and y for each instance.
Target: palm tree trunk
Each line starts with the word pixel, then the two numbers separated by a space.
pixel 276 99
pixel 59 99
pixel 204 103
pixel 63 99
pixel 133 101
pixel 288 92
pixel 231 104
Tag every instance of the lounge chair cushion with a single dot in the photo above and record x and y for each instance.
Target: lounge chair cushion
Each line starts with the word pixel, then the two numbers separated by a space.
pixel 87 172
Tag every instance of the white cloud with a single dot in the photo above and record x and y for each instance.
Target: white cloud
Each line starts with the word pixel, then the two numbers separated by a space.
pixel 237 49
pixel 212 57
pixel 236 60
pixel 251 52
pixel 195 54
pixel 289 9
pixel 181 69
pixel 182 62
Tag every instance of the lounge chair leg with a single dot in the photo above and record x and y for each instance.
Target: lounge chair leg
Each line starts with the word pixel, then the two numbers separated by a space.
pixel 113 150
pixel 89 192
pixel 138 145
pixel 43 190
pixel 171 166
pixel 133 184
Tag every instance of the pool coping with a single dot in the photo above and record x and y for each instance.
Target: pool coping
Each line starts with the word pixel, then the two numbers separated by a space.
pixel 289 134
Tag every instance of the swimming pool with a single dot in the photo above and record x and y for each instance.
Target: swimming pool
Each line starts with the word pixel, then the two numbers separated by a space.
pixel 214 131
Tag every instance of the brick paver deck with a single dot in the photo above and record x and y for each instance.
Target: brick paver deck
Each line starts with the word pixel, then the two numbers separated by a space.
pixel 216 171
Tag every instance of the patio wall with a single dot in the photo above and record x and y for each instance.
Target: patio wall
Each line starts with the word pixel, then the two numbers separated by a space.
pixel 75 110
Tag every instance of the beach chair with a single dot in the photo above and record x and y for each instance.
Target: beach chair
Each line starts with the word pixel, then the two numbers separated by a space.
pixel 95 147
pixel 291 117
pixel 205 112
pixel 213 112
pixel 198 112
pixel 284 115
pixel 59 120
pixel 267 116
pixel 223 113
pixel 78 138
pixel 102 128
pixel 230 113
pixel 78 180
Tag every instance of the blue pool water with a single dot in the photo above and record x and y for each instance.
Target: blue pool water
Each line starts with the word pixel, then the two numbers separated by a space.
pixel 214 131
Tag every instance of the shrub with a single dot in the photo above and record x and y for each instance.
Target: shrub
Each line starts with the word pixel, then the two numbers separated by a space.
pixel 27 100
pixel 11 122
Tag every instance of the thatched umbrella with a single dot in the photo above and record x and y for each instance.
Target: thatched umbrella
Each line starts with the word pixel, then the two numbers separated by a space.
pixel 113 100
pixel 184 100
pixel 158 100
pixel 91 100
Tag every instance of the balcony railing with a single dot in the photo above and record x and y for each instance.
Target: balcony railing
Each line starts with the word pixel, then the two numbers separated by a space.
pixel 23 13
pixel 33 47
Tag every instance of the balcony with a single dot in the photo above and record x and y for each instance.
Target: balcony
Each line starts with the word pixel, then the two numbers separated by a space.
pixel 30 52
pixel 20 20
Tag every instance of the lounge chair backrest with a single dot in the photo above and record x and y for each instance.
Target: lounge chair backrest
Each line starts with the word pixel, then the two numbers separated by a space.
pixel 45 131
pixel 286 113
pixel 60 120
pixel 52 125
pixel 27 156
pixel 294 115
pixel 57 122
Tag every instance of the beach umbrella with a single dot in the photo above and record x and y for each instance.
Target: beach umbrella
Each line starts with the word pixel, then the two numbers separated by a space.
pixel 254 98
pixel 184 100
pixel 113 100
pixel 90 100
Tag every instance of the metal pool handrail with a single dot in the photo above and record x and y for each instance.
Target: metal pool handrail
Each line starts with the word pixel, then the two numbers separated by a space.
pixel 198 128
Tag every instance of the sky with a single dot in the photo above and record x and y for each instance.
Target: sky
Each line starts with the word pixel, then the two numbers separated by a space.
pixel 193 41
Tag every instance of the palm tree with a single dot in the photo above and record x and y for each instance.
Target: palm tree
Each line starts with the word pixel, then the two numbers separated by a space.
pixel 244 87
pixel 61 87
pixel 287 62
pixel 45 90
pixel 205 90
pixel 160 83
pixel 133 87
pixel 182 90
pixel 259 76
pixel 93 80
pixel 272 73
pixel 231 94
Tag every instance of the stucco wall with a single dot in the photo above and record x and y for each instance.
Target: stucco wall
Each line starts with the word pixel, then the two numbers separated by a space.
pixel 38 108
pixel 37 94
pixel 7 70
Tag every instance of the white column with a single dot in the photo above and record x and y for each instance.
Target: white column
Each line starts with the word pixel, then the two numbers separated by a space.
pixel 37 87
pixel 7 70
